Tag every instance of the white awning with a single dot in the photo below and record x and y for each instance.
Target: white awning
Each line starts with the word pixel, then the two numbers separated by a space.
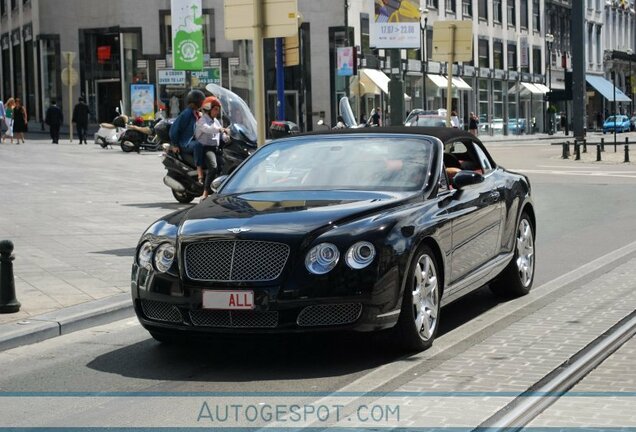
pixel 542 87
pixel 371 81
pixel 532 88
pixel 441 81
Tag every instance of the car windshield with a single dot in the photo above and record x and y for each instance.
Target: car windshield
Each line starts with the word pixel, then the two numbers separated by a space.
pixel 610 119
pixel 362 162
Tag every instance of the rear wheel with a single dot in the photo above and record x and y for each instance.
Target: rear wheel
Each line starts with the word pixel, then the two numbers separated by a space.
pixel 419 318
pixel 127 146
pixel 183 197
pixel 517 278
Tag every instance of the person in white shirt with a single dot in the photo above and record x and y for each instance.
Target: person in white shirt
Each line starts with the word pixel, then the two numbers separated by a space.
pixel 209 132
pixel 455 120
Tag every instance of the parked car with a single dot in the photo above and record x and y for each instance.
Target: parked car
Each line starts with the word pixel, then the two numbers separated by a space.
pixel 340 230
pixel 632 124
pixel 618 123
pixel 427 120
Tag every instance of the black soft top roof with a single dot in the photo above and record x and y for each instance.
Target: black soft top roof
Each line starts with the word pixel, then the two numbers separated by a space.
pixel 444 134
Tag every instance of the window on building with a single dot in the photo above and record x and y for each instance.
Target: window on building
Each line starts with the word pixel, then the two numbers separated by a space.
pixel 536 60
pixel 511 13
pixel 523 13
pixel 590 45
pixel 512 56
pixel 451 6
pixel 467 8
pixel 484 58
pixel 598 45
pixel 14 4
pixel 536 17
pixel 432 4
pixel 497 54
pixel 496 11
pixel 483 9
pixel 3 7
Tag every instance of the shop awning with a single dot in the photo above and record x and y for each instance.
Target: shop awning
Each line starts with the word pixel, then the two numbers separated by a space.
pixel 371 81
pixel 606 88
pixel 525 89
pixel 441 81
pixel 544 89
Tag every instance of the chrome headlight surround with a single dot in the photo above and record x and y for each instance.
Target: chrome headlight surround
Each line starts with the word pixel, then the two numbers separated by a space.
pixel 144 255
pixel 360 255
pixel 164 257
pixel 322 258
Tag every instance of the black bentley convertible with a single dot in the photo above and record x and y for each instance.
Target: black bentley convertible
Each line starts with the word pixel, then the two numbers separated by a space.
pixel 349 230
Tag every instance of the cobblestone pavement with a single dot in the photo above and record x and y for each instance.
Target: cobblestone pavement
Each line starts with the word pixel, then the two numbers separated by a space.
pixel 74 214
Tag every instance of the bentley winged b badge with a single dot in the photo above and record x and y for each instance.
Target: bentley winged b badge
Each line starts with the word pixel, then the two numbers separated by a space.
pixel 238 230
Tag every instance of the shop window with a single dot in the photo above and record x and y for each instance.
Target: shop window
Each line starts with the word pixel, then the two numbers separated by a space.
pixel 512 56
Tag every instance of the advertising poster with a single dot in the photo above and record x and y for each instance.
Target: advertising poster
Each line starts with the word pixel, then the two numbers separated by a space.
pixel 206 76
pixel 187 35
pixel 345 61
pixel 142 101
pixel 396 24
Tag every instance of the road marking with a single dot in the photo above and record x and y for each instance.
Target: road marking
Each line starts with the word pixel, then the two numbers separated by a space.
pixel 614 174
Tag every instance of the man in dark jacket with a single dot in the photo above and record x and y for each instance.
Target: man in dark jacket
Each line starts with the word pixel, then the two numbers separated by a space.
pixel 80 118
pixel 54 118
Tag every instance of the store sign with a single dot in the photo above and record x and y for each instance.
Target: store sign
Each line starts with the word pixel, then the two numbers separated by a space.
pixel 206 76
pixel 345 61
pixel 187 34
pixel 396 24
pixel 171 77
pixel 142 101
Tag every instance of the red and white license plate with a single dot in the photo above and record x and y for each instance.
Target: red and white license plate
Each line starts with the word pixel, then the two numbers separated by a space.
pixel 229 300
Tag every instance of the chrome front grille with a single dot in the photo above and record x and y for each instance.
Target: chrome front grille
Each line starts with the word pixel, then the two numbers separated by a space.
pixel 329 314
pixel 161 311
pixel 235 260
pixel 235 319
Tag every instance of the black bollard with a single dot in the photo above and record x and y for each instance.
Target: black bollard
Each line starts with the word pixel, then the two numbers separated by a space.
pixel 602 144
pixel 626 153
pixel 577 151
pixel 584 146
pixel 598 152
pixel 8 302
pixel 567 149
pixel 564 151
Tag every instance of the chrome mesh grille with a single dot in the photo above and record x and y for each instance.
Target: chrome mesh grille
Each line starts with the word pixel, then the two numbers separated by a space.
pixel 235 260
pixel 236 319
pixel 329 314
pixel 160 311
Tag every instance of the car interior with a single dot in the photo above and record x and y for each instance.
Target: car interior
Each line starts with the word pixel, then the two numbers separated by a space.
pixel 463 155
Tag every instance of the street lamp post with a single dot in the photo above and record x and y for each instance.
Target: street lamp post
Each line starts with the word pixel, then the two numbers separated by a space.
pixel 549 38
pixel 631 84
pixel 424 53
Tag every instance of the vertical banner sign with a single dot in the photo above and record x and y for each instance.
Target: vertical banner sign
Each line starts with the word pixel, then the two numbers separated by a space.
pixel 345 61
pixel 142 98
pixel 396 24
pixel 523 48
pixel 187 35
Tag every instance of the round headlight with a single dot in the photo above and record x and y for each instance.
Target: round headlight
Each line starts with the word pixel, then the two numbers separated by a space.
pixel 144 256
pixel 164 257
pixel 322 258
pixel 360 255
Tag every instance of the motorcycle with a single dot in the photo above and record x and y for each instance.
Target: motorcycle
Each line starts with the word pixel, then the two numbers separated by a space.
pixel 136 138
pixel 181 177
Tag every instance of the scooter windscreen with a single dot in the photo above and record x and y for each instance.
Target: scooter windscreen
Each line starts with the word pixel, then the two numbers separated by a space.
pixel 235 109
pixel 347 113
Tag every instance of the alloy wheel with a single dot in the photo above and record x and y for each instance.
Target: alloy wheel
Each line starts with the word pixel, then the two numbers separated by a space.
pixel 425 297
pixel 525 252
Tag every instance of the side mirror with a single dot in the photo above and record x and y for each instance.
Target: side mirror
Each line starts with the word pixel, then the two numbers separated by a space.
pixel 466 178
pixel 217 182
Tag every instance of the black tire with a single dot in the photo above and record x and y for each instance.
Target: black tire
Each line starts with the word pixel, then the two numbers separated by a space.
pixel 183 197
pixel 102 142
pixel 517 278
pixel 127 146
pixel 417 327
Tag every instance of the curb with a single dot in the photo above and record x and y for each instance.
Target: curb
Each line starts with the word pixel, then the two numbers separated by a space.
pixel 66 320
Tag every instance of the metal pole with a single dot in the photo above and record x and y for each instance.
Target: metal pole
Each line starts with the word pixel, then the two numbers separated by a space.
pixel 8 301
pixel 280 79
pixel 551 115
pixel 259 73
pixel 615 110
pixel 449 87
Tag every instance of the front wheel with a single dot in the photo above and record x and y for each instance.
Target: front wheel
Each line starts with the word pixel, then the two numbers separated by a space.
pixel 517 278
pixel 183 197
pixel 127 146
pixel 419 318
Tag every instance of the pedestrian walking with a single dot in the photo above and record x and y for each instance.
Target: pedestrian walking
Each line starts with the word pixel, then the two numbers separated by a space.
pixel 20 121
pixel 454 119
pixel 80 118
pixel 54 118
pixel 8 119
pixel 473 123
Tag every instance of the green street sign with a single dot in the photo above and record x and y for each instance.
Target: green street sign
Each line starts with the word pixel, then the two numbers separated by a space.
pixel 206 76
pixel 187 35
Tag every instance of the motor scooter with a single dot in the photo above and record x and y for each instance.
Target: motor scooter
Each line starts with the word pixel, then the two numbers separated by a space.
pixel 181 176
pixel 137 138
pixel 109 134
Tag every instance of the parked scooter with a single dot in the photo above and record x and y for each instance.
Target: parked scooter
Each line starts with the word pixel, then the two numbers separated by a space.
pixel 110 133
pixel 181 177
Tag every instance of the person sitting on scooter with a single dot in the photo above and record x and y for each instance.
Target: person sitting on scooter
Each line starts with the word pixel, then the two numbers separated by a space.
pixel 209 133
pixel 182 131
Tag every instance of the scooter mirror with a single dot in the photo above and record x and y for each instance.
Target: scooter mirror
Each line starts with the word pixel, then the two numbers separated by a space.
pixel 217 182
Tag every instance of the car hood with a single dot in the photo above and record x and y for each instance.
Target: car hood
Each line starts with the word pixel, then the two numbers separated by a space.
pixel 283 212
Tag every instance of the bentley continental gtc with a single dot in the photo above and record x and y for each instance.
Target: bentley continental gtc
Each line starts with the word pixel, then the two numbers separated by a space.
pixel 354 229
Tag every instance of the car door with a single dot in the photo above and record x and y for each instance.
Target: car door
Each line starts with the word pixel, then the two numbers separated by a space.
pixel 476 215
